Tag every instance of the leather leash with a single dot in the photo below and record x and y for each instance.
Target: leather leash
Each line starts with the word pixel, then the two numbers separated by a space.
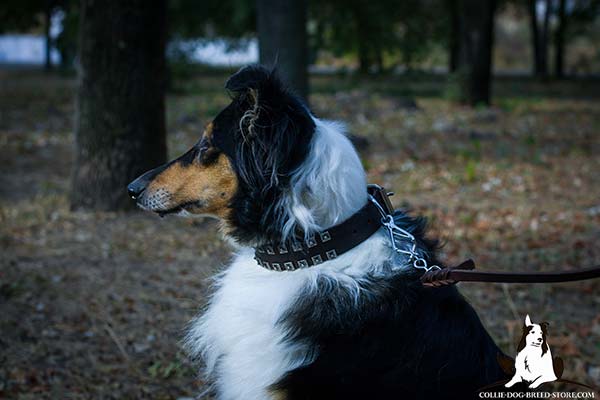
pixel 464 272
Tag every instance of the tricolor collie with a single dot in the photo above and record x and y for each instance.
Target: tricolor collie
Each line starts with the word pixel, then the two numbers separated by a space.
pixel 321 300
pixel 534 364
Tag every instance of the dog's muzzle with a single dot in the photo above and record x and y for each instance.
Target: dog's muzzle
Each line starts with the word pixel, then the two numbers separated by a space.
pixel 137 188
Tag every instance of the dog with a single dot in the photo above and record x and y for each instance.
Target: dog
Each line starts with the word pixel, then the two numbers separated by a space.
pixel 352 322
pixel 534 363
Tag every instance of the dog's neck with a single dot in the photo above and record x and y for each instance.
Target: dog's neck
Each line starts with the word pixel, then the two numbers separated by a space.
pixel 327 245
pixel 327 189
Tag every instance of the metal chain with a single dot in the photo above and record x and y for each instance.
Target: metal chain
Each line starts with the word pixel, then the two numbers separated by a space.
pixel 397 234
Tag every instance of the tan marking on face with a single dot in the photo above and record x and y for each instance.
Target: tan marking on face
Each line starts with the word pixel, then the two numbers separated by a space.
pixel 208 131
pixel 212 186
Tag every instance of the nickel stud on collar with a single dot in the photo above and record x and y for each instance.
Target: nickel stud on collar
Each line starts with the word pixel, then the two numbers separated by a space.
pixel 336 240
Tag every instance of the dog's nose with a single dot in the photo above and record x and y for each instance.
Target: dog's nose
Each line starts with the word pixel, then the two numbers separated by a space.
pixel 540 339
pixel 136 188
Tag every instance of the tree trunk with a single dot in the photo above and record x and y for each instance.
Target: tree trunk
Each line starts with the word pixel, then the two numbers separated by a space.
pixel 476 44
pixel 364 63
pixel 120 123
pixel 539 38
pixel 535 41
pixel 363 46
pixel 454 42
pixel 544 40
pixel 47 24
pixel 559 41
pixel 363 53
pixel 379 60
pixel 283 40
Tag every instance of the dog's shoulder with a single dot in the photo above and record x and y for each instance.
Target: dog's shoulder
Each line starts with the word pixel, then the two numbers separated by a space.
pixel 397 337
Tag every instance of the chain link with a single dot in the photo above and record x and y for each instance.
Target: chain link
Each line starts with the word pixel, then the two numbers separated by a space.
pixel 397 234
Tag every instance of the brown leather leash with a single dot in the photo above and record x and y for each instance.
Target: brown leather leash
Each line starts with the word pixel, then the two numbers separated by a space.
pixel 464 272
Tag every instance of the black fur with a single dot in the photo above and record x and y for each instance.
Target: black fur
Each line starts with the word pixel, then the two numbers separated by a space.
pixel 544 326
pixel 400 341
pixel 526 329
pixel 397 339
pixel 523 341
pixel 264 152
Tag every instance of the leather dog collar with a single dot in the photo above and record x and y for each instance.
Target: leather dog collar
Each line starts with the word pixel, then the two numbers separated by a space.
pixel 330 243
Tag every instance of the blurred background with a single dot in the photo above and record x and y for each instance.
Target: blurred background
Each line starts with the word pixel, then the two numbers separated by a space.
pixel 482 115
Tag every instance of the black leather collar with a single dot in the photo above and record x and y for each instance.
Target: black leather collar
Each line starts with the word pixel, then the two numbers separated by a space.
pixel 328 244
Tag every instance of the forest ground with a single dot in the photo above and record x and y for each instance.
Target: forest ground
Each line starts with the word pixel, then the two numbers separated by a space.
pixel 94 305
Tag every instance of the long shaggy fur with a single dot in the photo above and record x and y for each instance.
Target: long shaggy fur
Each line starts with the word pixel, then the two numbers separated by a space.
pixel 360 326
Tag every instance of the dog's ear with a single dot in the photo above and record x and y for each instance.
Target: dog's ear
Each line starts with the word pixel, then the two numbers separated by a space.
pixel 252 85
pixel 275 126
pixel 249 77
pixel 528 321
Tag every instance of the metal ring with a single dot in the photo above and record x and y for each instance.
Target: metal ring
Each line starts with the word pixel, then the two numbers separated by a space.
pixel 420 263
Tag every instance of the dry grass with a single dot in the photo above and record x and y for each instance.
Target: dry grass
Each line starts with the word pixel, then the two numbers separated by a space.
pixel 93 305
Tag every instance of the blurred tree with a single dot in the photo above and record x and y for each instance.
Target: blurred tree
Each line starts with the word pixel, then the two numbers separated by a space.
pixel 373 30
pixel 581 16
pixel 192 23
pixel 66 41
pixel 475 54
pixel 120 123
pixel 282 40
pixel 559 40
pixel 454 35
pixel 209 19
pixel 48 9
pixel 22 15
pixel 539 26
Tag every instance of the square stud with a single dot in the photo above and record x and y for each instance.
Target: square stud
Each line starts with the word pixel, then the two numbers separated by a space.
pixel 325 236
pixel 282 249
pixel 311 242
pixel 266 265
pixel 289 266
pixel 331 254
pixel 276 267
pixel 302 264
pixel 317 259
pixel 269 250
pixel 296 246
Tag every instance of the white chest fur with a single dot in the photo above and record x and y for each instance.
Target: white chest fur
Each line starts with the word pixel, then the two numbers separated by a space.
pixel 239 336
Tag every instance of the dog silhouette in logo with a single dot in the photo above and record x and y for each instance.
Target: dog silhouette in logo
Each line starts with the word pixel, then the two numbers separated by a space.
pixel 534 364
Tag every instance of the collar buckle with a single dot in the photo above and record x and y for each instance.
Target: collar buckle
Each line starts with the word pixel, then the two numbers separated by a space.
pixel 382 197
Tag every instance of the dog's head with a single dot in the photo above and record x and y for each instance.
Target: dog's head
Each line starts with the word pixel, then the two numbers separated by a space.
pixel 534 335
pixel 241 167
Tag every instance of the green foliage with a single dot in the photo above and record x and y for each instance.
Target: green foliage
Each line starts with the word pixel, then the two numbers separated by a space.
pixel 452 90
pixel 581 15
pixel 230 19
pixel 376 31
pixel 471 171
pixel 21 15
pixel 191 22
